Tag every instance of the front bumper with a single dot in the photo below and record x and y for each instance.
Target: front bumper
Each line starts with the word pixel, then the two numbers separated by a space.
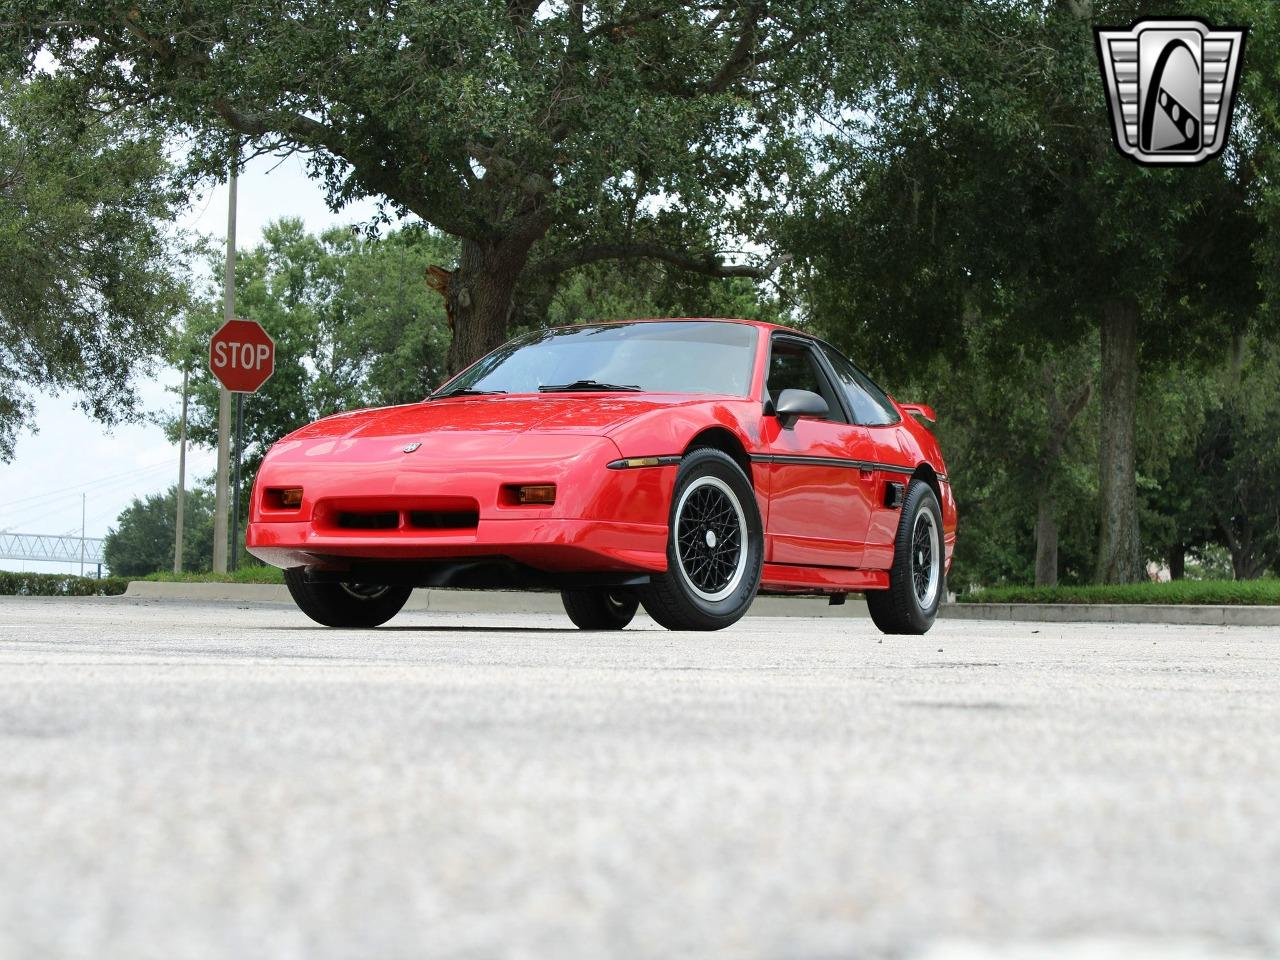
pixel 543 544
pixel 450 499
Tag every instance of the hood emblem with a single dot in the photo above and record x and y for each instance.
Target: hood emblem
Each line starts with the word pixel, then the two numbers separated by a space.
pixel 410 447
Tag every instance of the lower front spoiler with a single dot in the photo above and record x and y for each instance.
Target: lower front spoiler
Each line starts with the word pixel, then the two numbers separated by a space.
pixel 477 573
pixel 522 549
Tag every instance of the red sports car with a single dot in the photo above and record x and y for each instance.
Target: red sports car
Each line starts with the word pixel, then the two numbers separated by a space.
pixel 682 465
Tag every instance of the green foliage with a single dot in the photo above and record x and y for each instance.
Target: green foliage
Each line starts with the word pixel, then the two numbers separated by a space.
pixel 978 213
pixel 544 136
pixel 59 585
pixel 142 540
pixel 353 322
pixel 246 574
pixel 86 266
pixel 1220 486
pixel 615 291
pixel 1234 592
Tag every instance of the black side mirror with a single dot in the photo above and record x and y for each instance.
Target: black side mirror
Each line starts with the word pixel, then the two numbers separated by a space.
pixel 794 404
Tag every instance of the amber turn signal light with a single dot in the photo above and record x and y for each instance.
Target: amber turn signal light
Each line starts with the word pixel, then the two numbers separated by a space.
pixel 291 497
pixel 543 493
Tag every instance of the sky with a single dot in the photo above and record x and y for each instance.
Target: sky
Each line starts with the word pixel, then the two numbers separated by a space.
pixel 71 455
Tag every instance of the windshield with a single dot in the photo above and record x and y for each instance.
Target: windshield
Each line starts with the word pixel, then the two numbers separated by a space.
pixel 683 357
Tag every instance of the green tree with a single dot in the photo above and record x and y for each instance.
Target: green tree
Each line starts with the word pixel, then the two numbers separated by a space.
pixel 979 186
pixel 614 291
pixel 87 286
pixel 1220 488
pixel 544 137
pixel 141 542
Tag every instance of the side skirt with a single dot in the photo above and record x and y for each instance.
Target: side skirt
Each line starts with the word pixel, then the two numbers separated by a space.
pixel 786 578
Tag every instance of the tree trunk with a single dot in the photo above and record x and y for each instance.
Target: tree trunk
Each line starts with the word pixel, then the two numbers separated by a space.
pixel 1119 550
pixel 479 299
pixel 1177 562
pixel 1047 541
pixel 1244 565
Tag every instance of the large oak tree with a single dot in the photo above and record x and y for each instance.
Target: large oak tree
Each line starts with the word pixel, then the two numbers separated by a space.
pixel 543 135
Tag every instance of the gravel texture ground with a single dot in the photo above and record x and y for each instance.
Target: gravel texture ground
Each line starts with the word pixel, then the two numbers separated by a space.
pixel 191 781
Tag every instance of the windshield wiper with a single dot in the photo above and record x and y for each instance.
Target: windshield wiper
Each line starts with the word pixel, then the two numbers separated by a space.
pixel 586 386
pixel 466 392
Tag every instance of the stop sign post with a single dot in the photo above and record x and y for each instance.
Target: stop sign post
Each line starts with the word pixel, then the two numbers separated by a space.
pixel 242 356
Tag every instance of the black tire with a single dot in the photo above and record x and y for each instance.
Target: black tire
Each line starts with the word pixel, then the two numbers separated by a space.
pixel 723 546
pixel 352 605
pixel 916 579
pixel 600 609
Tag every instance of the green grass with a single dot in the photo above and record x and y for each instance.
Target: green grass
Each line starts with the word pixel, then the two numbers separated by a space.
pixel 243 575
pixel 1236 592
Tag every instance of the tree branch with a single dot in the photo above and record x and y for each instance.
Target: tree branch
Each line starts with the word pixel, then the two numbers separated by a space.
pixel 306 132
pixel 708 264
pixel 741 60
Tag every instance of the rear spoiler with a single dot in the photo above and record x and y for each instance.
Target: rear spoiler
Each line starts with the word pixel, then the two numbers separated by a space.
pixel 922 410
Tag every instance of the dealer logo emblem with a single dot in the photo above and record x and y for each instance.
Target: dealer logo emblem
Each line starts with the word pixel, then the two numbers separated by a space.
pixel 1171 84
pixel 410 447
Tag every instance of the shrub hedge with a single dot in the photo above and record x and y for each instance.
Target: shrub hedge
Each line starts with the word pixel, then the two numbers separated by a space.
pixel 59 585
pixel 1236 592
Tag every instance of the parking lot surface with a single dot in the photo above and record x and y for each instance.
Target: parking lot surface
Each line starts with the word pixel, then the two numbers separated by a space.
pixel 187 781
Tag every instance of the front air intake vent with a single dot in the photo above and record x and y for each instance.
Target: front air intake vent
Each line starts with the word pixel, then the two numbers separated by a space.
pixel 379 520
pixel 444 519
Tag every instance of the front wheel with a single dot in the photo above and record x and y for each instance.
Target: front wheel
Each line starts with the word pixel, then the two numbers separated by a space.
pixel 349 605
pixel 715 547
pixel 910 605
pixel 600 609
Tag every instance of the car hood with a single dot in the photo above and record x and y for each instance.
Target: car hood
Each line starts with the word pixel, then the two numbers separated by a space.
pixel 590 414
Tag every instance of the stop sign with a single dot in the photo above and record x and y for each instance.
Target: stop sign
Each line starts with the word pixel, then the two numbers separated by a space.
pixel 242 356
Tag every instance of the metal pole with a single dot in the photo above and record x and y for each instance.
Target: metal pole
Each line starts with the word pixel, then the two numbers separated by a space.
pixel 182 480
pixel 82 502
pixel 235 509
pixel 224 396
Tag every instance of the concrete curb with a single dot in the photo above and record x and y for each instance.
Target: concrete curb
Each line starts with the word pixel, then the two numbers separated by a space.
pixel 1171 613
pixel 512 601
pixel 462 601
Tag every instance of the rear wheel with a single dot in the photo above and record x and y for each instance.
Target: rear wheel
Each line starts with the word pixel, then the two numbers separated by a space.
pixel 345 604
pixel 601 609
pixel 715 548
pixel 910 605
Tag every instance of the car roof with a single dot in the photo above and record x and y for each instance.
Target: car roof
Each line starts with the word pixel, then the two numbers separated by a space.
pixel 763 324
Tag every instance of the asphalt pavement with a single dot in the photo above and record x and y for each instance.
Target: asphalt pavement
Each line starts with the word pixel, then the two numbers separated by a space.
pixel 183 780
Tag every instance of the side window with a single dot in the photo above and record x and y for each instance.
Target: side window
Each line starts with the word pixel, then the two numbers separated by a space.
pixel 794 366
pixel 870 406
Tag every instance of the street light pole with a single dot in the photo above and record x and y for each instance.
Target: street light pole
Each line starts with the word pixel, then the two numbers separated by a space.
pixel 224 395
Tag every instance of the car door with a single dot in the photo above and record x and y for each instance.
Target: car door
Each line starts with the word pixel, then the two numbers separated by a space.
pixel 819 498
pixel 871 408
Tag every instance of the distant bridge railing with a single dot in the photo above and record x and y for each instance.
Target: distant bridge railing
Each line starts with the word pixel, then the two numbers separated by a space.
pixel 43 546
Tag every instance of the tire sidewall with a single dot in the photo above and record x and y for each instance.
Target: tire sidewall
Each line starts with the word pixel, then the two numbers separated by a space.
pixel 921 498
